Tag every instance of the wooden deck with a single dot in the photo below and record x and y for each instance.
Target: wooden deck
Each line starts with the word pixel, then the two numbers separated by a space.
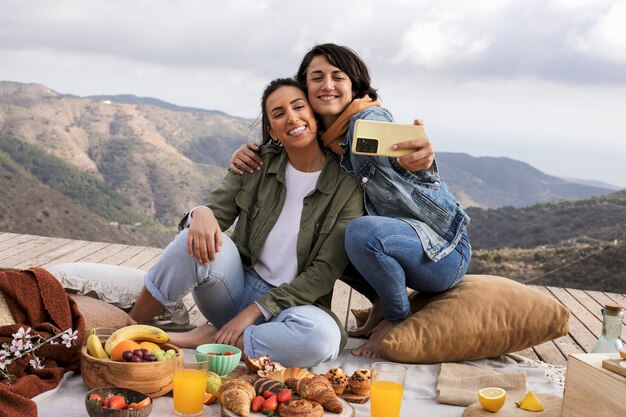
pixel 24 251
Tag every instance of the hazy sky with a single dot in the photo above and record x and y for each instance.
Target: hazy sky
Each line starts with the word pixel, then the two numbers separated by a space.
pixel 541 81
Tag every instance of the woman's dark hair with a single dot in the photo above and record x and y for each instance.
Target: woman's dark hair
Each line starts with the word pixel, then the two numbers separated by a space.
pixel 273 86
pixel 347 61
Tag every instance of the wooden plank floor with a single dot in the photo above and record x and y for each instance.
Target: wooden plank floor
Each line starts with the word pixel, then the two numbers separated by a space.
pixel 24 251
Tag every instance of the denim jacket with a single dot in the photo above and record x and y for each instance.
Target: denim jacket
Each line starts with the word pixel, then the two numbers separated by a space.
pixel 421 198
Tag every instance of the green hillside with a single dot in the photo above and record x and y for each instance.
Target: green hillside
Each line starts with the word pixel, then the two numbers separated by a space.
pixel 574 243
pixel 587 220
pixel 84 189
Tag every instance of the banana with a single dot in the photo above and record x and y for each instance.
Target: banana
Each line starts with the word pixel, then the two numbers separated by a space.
pixel 94 347
pixel 135 332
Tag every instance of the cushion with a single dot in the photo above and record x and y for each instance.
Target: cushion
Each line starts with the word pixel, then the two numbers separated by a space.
pixel 484 316
pixel 118 286
pixel 114 284
pixel 95 312
pixel 100 314
pixel 6 317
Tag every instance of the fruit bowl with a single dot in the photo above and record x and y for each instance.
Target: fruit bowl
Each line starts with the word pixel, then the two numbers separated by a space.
pixel 220 361
pixel 150 378
pixel 96 410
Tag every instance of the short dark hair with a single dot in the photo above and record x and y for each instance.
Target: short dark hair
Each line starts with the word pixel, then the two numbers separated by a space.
pixel 273 86
pixel 347 61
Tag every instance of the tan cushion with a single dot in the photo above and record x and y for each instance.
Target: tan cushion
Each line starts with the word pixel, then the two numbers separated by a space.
pixel 484 316
pixel 100 314
pixel 6 317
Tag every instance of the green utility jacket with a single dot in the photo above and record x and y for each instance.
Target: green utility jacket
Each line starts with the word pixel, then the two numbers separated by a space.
pixel 256 200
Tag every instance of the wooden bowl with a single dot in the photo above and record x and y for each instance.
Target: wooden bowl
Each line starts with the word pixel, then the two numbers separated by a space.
pixel 150 378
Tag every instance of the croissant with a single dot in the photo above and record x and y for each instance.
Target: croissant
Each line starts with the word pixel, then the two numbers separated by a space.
pixel 317 389
pixel 285 374
pixel 236 395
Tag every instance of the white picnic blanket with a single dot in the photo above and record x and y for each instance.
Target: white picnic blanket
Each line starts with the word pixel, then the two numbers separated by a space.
pixel 420 395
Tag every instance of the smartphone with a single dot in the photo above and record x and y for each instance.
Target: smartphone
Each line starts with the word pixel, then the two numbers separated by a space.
pixel 376 138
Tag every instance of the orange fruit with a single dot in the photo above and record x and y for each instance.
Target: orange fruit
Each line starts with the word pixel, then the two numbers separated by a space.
pixel 209 398
pixel 149 346
pixel 123 346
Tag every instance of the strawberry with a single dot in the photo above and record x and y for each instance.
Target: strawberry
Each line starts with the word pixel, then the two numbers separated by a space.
pixel 105 403
pixel 256 403
pixel 270 404
pixel 96 399
pixel 267 393
pixel 283 395
pixel 117 401
pixel 229 353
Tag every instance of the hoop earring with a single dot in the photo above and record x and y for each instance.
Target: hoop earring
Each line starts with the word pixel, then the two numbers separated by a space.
pixel 276 142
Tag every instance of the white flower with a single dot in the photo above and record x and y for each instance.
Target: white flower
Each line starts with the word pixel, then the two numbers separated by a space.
pixel 21 340
pixel 35 362
pixel 5 359
pixel 68 338
pixel 22 346
pixel 15 351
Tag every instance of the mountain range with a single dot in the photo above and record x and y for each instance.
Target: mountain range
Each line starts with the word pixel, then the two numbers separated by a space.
pixel 132 166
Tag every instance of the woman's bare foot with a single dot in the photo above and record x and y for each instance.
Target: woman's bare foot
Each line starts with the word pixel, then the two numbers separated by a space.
pixel 193 338
pixel 375 317
pixel 373 348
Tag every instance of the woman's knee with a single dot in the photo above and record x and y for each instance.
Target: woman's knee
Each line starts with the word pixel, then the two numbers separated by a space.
pixel 313 335
pixel 361 235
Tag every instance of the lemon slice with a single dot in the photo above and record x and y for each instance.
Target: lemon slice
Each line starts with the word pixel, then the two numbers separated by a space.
pixel 530 402
pixel 492 398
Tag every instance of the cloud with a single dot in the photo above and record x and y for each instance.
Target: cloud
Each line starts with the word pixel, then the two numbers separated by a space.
pixel 436 44
pixel 607 37
pixel 500 74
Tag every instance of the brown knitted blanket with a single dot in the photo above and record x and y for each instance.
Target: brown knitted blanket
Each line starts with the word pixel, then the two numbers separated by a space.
pixel 37 300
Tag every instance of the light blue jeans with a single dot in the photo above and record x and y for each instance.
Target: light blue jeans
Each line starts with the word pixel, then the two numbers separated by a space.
pixel 387 256
pixel 299 336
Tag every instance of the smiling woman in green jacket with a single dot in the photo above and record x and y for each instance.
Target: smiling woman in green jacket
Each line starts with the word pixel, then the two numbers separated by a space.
pixel 267 289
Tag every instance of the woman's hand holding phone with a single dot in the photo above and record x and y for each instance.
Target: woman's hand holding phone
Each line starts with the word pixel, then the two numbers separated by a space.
pixel 423 156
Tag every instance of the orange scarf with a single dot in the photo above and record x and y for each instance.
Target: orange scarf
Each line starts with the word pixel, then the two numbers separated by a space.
pixel 333 137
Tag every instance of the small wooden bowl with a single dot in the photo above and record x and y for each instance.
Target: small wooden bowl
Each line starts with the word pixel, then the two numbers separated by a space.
pixel 150 378
pixel 132 396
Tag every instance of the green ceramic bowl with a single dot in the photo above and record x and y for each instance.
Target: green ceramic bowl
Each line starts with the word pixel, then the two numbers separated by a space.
pixel 218 362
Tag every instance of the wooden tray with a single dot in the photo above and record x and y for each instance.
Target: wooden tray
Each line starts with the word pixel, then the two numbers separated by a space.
pixel 348 411
pixel 615 365
pixel 353 398
pixel 551 408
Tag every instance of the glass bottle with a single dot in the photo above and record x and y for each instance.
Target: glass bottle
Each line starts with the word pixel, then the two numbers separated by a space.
pixel 610 341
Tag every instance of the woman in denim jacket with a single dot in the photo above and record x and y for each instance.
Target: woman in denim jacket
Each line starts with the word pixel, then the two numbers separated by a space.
pixel 415 233
pixel 268 287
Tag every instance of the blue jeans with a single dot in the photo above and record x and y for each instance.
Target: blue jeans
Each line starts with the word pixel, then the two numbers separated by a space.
pixel 299 336
pixel 387 256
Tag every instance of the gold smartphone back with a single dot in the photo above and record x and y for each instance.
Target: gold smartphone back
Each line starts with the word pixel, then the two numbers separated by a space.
pixel 376 138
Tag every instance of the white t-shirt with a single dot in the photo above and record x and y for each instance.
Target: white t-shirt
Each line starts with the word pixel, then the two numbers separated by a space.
pixel 278 263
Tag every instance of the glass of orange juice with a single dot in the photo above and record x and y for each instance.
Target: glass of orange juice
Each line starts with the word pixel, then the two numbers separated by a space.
pixel 386 389
pixel 189 382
